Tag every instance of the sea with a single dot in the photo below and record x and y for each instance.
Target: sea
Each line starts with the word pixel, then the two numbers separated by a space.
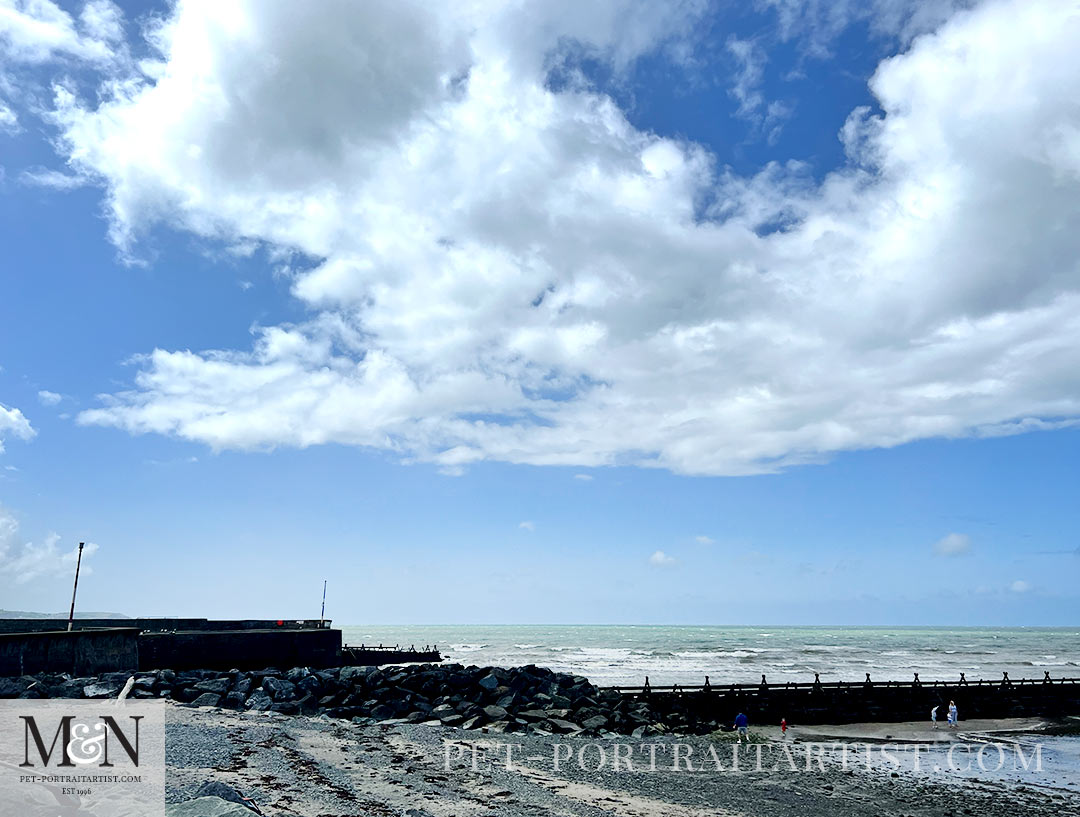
pixel 625 655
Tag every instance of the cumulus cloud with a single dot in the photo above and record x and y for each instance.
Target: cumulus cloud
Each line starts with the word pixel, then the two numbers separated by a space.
pixel 661 559
pixel 49 398
pixel 14 423
pixel 529 526
pixel 36 31
pixel 955 544
pixel 1020 586
pixel 24 561
pixel 506 271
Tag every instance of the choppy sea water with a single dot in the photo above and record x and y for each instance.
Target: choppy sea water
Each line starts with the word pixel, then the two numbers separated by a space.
pixel 685 655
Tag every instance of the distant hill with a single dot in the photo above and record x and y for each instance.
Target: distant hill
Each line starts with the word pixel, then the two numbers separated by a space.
pixel 24 614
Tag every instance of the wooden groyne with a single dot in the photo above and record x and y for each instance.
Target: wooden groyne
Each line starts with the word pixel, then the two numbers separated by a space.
pixel 861 701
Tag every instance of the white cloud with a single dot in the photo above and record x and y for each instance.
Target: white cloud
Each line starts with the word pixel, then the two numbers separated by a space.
pixel 14 423
pixel 529 526
pixel 816 24
pixel 36 31
pixel 53 179
pixel 767 117
pixel 512 273
pixel 1020 586
pixel 704 540
pixel 9 121
pixel 661 559
pixel 955 544
pixel 25 561
pixel 583 477
pixel 49 398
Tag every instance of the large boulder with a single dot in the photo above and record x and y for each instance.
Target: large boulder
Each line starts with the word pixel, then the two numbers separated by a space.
pixel 259 701
pixel 495 713
pixel 13 687
pixel 279 690
pixel 101 690
pixel 219 686
pixel 207 807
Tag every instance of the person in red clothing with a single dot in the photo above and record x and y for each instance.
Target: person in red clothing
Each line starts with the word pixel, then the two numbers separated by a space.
pixel 783 727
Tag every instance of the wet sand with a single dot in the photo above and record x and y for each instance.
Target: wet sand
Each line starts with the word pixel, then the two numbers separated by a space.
pixel 916 731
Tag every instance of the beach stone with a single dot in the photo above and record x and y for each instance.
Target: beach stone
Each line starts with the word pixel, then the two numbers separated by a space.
pixel 207 807
pixel 233 700
pixel 495 713
pixel 215 788
pixel 219 686
pixel 207 699
pixel 101 690
pixel 259 701
pixel 594 723
pixel 562 726
pixel 12 687
pixel 279 690
pixel 489 682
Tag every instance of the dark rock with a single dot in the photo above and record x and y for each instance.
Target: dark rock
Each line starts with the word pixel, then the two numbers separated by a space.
pixel 207 699
pixel 101 690
pixel 259 700
pixel 594 723
pixel 215 788
pixel 233 700
pixel 495 713
pixel 561 726
pixel 297 674
pixel 279 690
pixel 489 682
pixel 219 686
pixel 13 687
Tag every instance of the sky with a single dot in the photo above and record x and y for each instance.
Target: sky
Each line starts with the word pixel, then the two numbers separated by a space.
pixel 502 312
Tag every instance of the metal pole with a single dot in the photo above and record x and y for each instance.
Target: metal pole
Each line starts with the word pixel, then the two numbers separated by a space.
pixel 322 615
pixel 75 589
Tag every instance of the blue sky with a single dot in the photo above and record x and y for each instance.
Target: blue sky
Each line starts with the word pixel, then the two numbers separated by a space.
pixel 678 314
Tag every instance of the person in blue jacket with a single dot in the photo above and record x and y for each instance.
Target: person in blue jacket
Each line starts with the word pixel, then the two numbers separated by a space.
pixel 742 724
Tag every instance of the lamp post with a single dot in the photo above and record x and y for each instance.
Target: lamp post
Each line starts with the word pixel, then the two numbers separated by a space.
pixel 75 589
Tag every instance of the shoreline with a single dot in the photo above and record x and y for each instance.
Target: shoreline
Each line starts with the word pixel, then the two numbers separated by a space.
pixel 430 741
pixel 295 765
